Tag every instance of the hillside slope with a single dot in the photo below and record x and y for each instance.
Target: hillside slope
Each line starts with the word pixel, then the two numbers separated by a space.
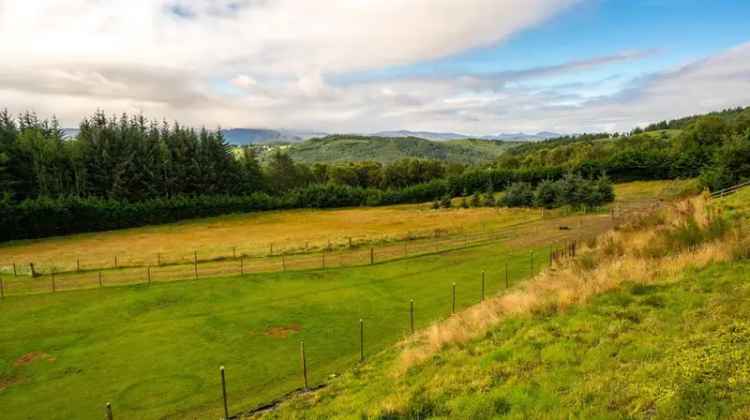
pixel 650 321
pixel 386 150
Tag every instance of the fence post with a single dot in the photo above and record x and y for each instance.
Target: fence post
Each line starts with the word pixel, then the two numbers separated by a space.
pixel 78 265
pixel 361 340
pixel 148 274
pixel 2 289
pixel 53 279
pixel 234 252
pixel 116 265
pixel 372 256
pixel 304 362
pixel 33 272
pixel 158 259
pixel 14 269
pixel 453 301
pixel 242 265
pixel 411 315
pixel 195 264
pixel 100 279
pixel 350 242
pixel 482 299
pixel 108 411
pixel 270 248
pixel 283 263
pixel 224 393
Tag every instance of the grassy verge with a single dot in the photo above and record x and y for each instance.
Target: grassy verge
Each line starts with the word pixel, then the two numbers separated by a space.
pixel 648 321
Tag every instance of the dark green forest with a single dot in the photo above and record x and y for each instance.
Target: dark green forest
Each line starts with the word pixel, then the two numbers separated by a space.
pixel 124 171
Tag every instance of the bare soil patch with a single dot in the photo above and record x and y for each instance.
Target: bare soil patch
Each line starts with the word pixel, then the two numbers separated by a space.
pixel 8 381
pixel 29 358
pixel 283 331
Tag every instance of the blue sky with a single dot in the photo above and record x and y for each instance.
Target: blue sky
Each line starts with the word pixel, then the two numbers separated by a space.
pixel 471 66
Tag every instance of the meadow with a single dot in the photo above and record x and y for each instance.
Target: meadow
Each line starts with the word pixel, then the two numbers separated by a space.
pixel 278 232
pixel 154 350
pixel 648 321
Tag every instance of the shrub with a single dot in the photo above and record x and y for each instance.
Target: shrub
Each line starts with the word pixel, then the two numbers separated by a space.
pixel 519 194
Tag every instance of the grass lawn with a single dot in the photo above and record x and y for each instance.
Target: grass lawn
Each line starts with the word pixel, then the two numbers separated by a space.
pixel 667 351
pixel 155 351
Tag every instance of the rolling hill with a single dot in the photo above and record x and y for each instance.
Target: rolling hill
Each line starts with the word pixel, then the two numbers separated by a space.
pixel 360 148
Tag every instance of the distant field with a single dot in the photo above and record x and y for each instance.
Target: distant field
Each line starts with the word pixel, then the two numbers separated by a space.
pixel 285 231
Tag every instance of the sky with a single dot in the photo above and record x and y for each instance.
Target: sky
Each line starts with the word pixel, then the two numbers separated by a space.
pixel 359 66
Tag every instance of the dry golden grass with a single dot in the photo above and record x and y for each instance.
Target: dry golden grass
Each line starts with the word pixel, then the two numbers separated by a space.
pixel 289 231
pixel 252 234
pixel 614 258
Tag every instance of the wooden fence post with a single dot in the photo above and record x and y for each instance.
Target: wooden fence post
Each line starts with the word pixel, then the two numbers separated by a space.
pixel 2 288
pixel 224 393
pixel 195 264
pixel 31 269
pixel 234 252
pixel 53 280
pixel 361 340
pixel 158 259
pixel 482 299
pixel 270 248
pixel 116 265
pixel 304 362
pixel 411 315
pixel 108 411
pixel 372 256
pixel 453 301
pixel 148 274
pixel 242 265
pixel 100 279
pixel 78 265
pixel 14 269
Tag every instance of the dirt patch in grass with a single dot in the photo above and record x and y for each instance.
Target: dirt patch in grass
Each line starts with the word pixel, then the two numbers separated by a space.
pixel 29 358
pixel 283 331
pixel 8 381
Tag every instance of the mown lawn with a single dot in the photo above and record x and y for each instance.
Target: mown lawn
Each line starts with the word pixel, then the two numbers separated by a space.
pixel 155 351
pixel 668 351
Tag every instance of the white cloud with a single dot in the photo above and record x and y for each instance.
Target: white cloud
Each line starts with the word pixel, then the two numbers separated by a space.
pixel 177 58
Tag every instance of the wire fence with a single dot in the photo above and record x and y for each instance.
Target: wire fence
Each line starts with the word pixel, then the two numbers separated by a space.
pixel 308 364
pixel 32 281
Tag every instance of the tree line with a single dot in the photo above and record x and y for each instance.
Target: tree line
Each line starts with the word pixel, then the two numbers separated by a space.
pixel 127 171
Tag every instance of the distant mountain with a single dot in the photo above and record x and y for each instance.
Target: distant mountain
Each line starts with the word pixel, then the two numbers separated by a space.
pixel 542 135
pixel 437 136
pixel 243 136
pixel 343 148
pixel 427 135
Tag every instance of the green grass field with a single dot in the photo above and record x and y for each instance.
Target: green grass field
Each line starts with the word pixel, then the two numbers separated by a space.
pixel 672 351
pixel 155 351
